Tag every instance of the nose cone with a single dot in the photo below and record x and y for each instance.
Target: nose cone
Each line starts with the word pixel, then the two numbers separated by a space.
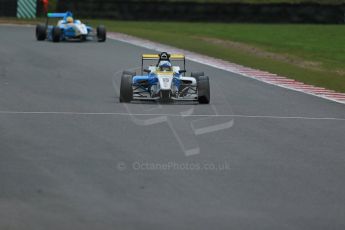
pixel 81 28
pixel 165 82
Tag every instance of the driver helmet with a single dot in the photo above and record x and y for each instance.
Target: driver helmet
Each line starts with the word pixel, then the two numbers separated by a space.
pixel 69 20
pixel 164 66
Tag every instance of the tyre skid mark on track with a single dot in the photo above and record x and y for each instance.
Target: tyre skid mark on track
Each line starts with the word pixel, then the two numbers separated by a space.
pixel 259 75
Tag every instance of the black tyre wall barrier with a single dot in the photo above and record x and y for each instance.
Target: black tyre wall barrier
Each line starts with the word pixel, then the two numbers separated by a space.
pixel 191 11
pixel 8 8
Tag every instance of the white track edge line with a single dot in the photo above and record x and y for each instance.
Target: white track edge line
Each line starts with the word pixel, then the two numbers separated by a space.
pixel 141 43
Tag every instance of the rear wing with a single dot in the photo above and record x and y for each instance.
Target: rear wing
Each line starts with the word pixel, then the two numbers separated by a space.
pixel 176 57
pixel 164 56
pixel 56 15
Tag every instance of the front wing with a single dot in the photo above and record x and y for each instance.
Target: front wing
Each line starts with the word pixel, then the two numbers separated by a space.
pixel 142 85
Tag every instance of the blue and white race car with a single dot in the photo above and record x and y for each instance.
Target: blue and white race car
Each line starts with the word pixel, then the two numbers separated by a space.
pixel 164 82
pixel 68 28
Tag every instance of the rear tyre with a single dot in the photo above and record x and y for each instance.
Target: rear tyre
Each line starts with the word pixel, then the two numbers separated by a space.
pixel 203 90
pixel 56 34
pixel 41 32
pixel 126 89
pixel 196 75
pixel 101 34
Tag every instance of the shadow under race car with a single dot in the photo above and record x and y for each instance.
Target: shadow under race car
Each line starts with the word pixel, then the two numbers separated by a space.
pixel 164 82
pixel 68 29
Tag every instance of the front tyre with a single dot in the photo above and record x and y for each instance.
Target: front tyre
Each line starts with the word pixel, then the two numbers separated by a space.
pixel 203 90
pixel 56 34
pixel 101 34
pixel 126 89
pixel 41 32
pixel 83 38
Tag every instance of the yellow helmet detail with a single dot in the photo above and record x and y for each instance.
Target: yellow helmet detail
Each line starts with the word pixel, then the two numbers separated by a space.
pixel 69 20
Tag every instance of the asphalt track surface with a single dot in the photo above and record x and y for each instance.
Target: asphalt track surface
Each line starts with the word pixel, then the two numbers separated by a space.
pixel 73 157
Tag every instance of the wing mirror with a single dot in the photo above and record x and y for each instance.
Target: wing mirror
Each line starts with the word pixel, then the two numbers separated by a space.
pixel 147 70
pixel 182 71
